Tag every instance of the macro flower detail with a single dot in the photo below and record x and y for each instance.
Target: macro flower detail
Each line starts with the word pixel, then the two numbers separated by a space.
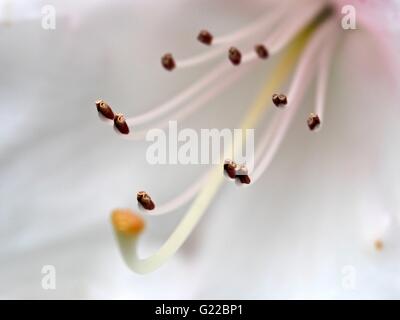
pixel 230 168
pixel 236 171
pixel 304 36
pixel 313 121
pixel 235 56
pixel 205 37
pixel 261 51
pixel 127 222
pixel 145 200
pixel 279 100
pixel 168 62
pixel 120 123
pixel 104 109
pixel 320 217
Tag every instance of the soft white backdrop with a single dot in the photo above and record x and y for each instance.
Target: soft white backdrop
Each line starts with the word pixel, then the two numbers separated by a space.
pixel 324 201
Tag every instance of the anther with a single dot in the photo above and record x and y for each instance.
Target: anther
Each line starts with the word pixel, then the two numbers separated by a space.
pixel 145 200
pixel 245 179
pixel 104 109
pixel 168 62
pixel 205 37
pixel 261 51
pixel 313 121
pixel 279 100
pixel 127 222
pixel 120 123
pixel 242 174
pixel 235 56
pixel 230 168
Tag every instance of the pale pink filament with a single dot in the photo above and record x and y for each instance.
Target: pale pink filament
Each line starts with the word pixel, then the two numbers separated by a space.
pixel 281 40
pixel 195 104
pixel 181 199
pixel 304 72
pixel 322 78
pixel 230 39
pixel 201 84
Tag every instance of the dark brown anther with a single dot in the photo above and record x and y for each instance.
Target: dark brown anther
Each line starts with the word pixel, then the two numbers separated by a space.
pixel 168 62
pixel 104 109
pixel 230 168
pixel 145 200
pixel 245 179
pixel 235 56
pixel 120 123
pixel 205 37
pixel 279 100
pixel 261 51
pixel 242 174
pixel 313 121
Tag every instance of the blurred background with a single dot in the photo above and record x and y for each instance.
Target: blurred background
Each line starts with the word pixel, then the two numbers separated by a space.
pixel 307 229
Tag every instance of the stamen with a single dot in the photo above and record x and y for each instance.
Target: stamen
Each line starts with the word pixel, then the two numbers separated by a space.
pixel 261 25
pixel 279 100
pixel 281 37
pixel 285 32
pixel 127 222
pixel 234 56
pixel 104 109
pixel 313 121
pixel 168 62
pixel 120 123
pixel 145 200
pixel 128 247
pixel 218 72
pixel 261 51
pixel 302 76
pixel 230 168
pixel 205 37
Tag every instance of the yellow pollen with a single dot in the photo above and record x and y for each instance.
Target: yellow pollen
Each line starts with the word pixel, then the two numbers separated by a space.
pixel 378 245
pixel 127 222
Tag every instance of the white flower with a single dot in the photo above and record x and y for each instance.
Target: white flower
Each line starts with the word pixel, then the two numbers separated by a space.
pixel 326 198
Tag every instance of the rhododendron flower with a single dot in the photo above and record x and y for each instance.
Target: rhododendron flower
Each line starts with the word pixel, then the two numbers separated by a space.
pixel 319 215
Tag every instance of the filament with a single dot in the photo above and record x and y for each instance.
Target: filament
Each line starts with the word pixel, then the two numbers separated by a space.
pixel 261 24
pixel 264 22
pixel 282 38
pixel 322 78
pixel 302 76
pixel 279 39
pixel 220 70
pixel 128 245
pixel 181 199
pixel 201 58
pixel 194 105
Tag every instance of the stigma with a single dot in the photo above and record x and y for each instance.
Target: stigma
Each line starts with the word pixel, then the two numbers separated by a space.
pixel 127 222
